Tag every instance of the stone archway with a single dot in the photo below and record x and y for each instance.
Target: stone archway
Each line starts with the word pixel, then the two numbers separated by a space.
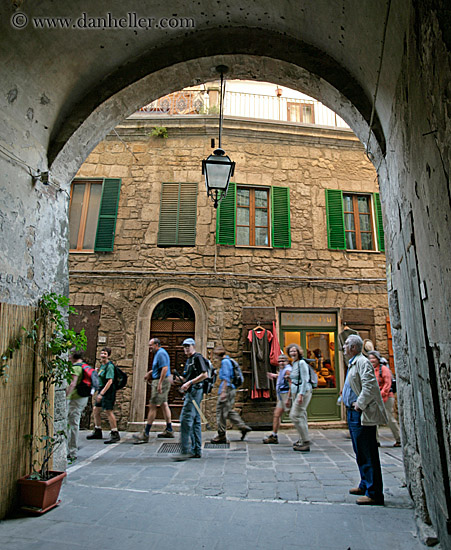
pixel 142 339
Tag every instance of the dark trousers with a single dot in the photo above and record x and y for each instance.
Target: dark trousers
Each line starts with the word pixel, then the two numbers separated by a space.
pixel 364 443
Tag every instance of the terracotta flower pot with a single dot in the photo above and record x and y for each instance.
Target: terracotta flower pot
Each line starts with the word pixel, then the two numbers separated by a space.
pixel 40 496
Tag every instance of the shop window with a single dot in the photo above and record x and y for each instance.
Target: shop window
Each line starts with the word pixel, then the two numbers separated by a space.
pixel 254 216
pixel 353 221
pixel 178 213
pixel 301 112
pixel 92 214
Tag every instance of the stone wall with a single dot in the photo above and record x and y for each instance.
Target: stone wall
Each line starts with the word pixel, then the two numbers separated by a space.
pixel 226 279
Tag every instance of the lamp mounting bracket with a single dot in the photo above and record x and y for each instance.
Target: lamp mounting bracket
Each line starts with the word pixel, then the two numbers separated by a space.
pixel 222 69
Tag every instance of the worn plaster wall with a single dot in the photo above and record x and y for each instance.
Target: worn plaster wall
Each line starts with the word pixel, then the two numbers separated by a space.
pixel 417 209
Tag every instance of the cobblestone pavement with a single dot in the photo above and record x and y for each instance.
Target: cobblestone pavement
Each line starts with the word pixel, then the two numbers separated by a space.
pixel 248 496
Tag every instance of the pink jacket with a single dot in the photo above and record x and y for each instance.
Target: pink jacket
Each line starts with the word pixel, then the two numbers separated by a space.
pixel 384 380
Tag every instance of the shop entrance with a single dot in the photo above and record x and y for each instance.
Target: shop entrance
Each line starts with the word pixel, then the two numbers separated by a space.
pixel 173 320
pixel 316 334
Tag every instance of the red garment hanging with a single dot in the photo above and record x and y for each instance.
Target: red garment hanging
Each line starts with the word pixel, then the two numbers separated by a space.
pixel 275 347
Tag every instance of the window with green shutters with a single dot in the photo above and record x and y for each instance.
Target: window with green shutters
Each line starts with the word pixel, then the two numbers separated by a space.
pixel 92 214
pixel 178 214
pixel 254 216
pixel 350 221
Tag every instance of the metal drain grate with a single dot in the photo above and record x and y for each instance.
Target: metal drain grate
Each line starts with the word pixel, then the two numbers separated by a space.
pixel 217 446
pixel 170 448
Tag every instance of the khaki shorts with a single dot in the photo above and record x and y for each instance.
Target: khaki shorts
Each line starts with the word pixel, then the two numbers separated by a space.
pixel 160 398
pixel 282 399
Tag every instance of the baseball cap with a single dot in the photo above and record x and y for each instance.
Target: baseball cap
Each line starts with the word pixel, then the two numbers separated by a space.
pixel 188 342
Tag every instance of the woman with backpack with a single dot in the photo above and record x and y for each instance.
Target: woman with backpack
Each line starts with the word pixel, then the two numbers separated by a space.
pixel 300 394
pixel 385 380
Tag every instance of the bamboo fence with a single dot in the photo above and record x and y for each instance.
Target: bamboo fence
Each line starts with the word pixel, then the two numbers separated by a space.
pixel 19 409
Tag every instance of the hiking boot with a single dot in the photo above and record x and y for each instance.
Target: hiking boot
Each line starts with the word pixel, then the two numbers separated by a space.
pixel 271 439
pixel 303 448
pixel 245 431
pixel 219 439
pixel 96 434
pixel 183 456
pixel 167 434
pixel 140 438
pixel 114 438
pixel 356 491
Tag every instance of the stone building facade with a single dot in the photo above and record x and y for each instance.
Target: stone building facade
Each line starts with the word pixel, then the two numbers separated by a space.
pixel 303 285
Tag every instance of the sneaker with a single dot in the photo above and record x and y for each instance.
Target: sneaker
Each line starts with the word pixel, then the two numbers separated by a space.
pixel 96 434
pixel 368 501
pixel 244 431
pixel 140 438
pixel 302 448
pixel 114 438
pixel 166 434
pixel 197 455
pixel 271 439
pixel 219 439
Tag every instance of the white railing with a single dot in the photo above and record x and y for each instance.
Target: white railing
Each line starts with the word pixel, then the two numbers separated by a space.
pixel 258 106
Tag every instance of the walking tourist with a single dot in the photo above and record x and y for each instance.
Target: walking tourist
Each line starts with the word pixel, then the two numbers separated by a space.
pixel 300 394
pixel 160 374
pixel 190 426
pixel 282 391
pixel 226 399
pixel 76 404
pixel 365 410
pixel 384 379
pixel 105 399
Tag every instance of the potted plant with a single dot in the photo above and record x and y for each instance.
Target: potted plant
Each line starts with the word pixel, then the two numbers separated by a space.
pixel 51 341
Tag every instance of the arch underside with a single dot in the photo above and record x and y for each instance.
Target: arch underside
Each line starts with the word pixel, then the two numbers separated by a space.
pixel 251 54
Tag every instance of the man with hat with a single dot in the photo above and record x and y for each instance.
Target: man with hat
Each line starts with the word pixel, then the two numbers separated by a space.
pixel 190 426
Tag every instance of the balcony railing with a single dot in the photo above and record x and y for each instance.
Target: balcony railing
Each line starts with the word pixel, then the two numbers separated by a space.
pixel 258 106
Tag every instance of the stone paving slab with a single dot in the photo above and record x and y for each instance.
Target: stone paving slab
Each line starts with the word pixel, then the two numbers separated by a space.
pixel 249 496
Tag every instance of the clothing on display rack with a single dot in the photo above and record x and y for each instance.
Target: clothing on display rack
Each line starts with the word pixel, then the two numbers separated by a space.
pixel 260 339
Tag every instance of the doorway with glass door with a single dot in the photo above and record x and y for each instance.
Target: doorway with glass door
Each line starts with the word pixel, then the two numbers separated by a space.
pixel 316 334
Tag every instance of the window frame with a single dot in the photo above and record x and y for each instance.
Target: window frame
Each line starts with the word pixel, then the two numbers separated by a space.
pixel 301 113
pixel 84 213
pixel 356 215
pixel 252 209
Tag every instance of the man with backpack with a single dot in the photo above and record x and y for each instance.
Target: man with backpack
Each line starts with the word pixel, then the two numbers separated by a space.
pixel 226 397
pixel 196 371
pixel 160 374
pixel 105 399
pixel 76 404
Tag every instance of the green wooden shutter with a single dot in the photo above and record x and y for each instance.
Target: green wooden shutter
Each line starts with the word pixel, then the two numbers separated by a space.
pixel 379 224
pixel 186 234
pixel 178 214
pixel 226 218
pixel 335 220
pixel 280 217
pixel 106 225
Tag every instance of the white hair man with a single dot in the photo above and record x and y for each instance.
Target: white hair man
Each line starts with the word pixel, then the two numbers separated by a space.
pixel 365 410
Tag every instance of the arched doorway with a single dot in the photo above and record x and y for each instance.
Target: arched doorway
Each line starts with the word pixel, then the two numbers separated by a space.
pixel 172 321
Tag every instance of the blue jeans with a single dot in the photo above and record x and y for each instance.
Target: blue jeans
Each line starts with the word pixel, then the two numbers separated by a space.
pixel 190 426
pixel 364 443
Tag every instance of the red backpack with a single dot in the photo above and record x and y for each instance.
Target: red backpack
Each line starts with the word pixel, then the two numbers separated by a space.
pixel 89 381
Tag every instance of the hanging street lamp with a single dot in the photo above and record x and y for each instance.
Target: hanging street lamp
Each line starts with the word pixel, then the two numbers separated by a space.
pixel 218 168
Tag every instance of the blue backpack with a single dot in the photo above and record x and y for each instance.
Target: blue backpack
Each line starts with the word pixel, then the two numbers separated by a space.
pixel 237 377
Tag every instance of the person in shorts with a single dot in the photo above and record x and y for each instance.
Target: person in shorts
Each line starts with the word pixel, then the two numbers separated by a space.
pixel 160 374
pixel 105 399
pixel 282 391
